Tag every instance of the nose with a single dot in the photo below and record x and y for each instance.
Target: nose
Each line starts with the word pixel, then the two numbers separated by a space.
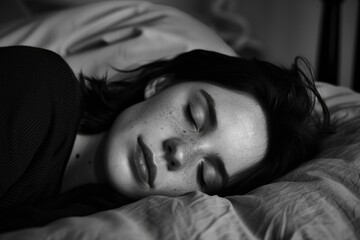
pixel 179 152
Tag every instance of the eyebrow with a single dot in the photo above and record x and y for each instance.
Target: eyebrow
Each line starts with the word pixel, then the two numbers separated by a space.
pixel 211 108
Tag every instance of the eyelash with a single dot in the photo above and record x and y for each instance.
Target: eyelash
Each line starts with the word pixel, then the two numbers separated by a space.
pixel 201 180
pixel 190 117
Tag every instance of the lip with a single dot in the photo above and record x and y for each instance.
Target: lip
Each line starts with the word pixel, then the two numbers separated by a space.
pixel 145 166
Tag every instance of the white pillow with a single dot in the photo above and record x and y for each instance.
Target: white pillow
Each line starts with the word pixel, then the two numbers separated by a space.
pixel 95 37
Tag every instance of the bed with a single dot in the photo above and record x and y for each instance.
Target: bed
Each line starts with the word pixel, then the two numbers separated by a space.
pixel 318 200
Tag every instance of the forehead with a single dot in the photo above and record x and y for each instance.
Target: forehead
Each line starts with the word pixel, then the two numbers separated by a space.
pixel 240 138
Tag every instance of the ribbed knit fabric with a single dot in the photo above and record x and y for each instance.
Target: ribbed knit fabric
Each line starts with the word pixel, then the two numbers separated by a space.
pixel 39 115
pixel 40 110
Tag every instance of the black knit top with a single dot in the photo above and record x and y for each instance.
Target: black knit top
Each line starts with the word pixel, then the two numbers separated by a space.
pixel 40 110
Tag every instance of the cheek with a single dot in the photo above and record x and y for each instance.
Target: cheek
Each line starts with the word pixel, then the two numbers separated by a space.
pixel 158 121
pixel 150 112
pixel 177 183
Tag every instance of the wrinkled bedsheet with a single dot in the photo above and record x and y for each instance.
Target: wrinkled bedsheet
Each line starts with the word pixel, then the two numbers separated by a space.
pixel 319 200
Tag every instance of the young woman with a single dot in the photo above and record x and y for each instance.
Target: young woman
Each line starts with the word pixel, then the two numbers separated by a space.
pixel 202 121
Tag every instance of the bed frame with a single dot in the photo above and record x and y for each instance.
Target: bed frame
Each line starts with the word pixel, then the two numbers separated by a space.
pixel 328 53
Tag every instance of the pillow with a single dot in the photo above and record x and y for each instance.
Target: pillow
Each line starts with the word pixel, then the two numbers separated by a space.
pixel 98 37
pixel 344 107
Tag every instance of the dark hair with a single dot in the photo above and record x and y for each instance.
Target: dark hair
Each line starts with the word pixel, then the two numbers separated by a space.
pixel 286 95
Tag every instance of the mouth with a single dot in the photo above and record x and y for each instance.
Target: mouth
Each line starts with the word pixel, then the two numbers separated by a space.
pixel 146 168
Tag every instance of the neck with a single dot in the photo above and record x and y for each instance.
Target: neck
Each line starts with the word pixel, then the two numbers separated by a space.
pixel 82 167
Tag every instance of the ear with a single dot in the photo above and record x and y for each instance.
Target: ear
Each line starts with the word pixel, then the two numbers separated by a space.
pixel 155 86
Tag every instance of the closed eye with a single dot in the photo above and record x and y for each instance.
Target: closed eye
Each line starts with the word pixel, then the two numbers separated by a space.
pixel 190 117
pixel 208 178
pixel 200 177
pixel 196 116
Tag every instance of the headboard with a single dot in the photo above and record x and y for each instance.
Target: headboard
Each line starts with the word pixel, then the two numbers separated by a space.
pixel 328 53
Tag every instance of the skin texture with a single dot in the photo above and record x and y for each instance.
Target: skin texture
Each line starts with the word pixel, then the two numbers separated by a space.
pixel 187 148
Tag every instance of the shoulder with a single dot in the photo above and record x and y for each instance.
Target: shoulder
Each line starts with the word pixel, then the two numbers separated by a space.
pixel 34 59
pixel 24 53
pixel 29 68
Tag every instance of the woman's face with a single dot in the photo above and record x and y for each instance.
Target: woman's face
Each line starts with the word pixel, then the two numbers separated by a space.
pixel 191 136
